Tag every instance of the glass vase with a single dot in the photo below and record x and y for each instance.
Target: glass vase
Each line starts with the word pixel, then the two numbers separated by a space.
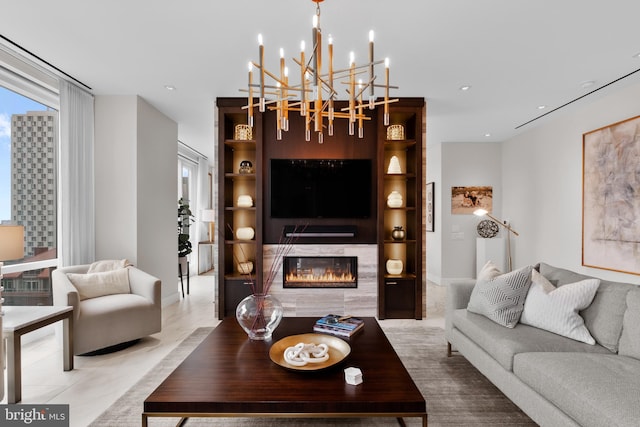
pixel 259 315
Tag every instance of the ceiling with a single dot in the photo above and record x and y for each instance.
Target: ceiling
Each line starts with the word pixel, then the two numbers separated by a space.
pixel 515 55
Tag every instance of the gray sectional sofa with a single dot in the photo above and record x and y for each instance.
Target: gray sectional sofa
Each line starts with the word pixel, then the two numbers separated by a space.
pixel 555 380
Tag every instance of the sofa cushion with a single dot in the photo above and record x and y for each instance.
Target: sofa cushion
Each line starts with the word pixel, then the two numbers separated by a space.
pixel 593 389
pixel 503 343
pixel 556 309
pixel 604 316
pixel 500 297
pixel 108 265
pixel 630 338
pixel 93 285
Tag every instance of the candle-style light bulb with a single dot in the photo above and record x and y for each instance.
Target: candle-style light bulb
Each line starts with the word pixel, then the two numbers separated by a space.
pixel 303 83
pixel 261 106
pixel 371 71
pixel 331 96
pixel 250 96
pixel 352 91
pixel 386 92
pixel 281 53
pixel 315 21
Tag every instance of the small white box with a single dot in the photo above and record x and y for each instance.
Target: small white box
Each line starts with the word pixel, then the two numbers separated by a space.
pixel 353 376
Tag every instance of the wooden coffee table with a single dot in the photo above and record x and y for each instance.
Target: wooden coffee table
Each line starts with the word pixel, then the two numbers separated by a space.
pixel 228 375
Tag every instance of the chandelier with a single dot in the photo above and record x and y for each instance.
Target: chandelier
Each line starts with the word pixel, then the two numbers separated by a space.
pixel 313 97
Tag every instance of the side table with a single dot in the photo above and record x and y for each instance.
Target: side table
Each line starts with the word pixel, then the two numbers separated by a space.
pixel 20 320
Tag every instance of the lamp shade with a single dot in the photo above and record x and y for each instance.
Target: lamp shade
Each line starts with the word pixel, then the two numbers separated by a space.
pixel 208 215
pixel 11 242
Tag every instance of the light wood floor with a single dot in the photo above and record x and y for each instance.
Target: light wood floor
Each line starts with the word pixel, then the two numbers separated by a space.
pixel 97 381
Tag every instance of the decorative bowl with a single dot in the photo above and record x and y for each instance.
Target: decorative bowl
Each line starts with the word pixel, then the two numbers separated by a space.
pixel 338 350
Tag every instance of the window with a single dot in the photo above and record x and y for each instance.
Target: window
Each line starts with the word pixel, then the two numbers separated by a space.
pixel 28 192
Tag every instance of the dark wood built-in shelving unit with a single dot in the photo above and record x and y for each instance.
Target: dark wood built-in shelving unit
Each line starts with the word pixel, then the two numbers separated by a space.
pixel 398 296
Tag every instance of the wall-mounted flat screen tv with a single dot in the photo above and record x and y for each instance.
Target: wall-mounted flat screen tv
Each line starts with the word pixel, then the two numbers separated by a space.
pixel 320 188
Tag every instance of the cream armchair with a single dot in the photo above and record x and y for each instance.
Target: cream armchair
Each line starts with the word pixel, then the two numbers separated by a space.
pixel 104 321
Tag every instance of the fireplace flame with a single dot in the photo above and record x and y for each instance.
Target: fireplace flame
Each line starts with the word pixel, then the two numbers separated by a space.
pixel 326 277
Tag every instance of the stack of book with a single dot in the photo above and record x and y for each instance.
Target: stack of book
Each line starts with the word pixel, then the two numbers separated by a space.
pixel 344 326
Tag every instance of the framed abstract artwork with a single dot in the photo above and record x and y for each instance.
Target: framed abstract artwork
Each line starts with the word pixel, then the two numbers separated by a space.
pixel 611 197
pixel 431 220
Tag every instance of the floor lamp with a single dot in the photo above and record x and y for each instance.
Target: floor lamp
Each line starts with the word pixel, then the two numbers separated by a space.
pixel 484 212
pixel 11 247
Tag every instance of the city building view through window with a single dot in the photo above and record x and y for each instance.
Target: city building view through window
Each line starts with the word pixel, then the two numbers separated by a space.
pixel 28 194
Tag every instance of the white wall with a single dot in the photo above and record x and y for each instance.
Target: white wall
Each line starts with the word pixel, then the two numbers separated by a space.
pixel 135 166
pixel 157 197
pixel 542 177
pixel 115 177
pixel 452 251
pixel 433 253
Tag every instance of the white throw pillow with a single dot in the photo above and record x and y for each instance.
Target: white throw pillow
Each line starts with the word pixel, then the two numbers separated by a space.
pixel 500 297
pixel 94 285
pixel 108 265
pixel 557 309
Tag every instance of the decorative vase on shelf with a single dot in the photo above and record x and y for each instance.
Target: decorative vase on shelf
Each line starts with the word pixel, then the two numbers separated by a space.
pixel 398 233
pixel 259 315
pixel 394 166
pixel 394 199
pixel 245 267
pixel 245 201
pixel 394 267
pixel 245 233
pixel 246 167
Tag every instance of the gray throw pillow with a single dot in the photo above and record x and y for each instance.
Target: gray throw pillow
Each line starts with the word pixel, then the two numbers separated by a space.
pixel 500 297
pixel 630 340
pixel 603 317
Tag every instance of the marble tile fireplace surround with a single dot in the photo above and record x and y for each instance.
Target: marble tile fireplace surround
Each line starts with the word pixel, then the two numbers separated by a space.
pixel 318 300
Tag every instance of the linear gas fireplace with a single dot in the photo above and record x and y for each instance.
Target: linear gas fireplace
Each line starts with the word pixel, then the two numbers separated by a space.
pixel 320 272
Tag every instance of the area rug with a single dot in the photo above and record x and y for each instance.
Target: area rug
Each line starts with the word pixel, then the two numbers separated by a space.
pixel 455 392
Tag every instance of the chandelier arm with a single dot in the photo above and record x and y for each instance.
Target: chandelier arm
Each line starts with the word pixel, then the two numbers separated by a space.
pixel 375 103
pixel 326 114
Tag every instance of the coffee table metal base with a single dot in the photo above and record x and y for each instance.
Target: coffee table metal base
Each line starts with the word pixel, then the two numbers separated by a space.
pixel 184 417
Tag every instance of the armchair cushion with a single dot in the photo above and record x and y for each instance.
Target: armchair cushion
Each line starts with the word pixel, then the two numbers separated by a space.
pixel 93 285
pixel 108 265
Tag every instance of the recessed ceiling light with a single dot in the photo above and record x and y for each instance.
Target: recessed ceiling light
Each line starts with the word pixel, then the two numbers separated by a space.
pixel 465 88
pixel 487 135
pixel 637 55
pixel 587 84
pixel 541 107
pixel 169 87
